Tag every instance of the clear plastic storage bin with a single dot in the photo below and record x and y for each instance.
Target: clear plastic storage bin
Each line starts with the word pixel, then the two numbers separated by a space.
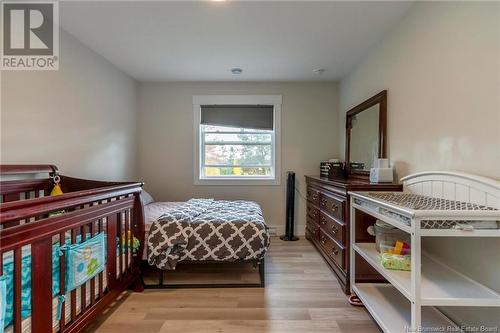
pixel 386 236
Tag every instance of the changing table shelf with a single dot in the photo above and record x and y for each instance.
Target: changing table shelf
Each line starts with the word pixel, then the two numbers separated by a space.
pixel 440 284
pixel 392 311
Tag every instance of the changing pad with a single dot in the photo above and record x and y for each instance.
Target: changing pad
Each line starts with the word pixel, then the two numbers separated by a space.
pixel 422 202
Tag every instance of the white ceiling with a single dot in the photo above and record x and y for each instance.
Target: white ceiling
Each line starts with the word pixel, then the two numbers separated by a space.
pixel 202 41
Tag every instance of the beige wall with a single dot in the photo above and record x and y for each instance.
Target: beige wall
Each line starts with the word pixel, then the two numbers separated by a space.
pixel 441 67
pixel 165 145
pixel 81 118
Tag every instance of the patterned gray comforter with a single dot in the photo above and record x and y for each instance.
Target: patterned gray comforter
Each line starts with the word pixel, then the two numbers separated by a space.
pixel 208 230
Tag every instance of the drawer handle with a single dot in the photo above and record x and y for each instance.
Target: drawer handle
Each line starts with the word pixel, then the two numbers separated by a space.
pixel 335 229
pixel 323 220
pixel 323 240
pixel 323 202
pixel 335 251
pixel 335 207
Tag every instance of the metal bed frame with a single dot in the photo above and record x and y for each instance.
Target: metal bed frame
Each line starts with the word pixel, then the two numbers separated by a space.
pixel 162 285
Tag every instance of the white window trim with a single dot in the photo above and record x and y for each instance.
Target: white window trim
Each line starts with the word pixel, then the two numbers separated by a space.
pixel 275 100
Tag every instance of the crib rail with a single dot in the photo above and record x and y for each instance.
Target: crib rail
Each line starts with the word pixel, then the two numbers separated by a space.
pixel 16 169
pixel 15 212
pixel 29 228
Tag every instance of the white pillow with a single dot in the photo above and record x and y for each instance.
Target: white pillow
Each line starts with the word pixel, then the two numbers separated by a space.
pixel 146 198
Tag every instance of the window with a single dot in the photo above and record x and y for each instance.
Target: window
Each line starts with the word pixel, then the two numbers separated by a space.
pixel 237 140
pixel 234 152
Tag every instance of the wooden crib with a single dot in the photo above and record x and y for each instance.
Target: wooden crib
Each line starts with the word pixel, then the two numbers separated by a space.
pixel 87 207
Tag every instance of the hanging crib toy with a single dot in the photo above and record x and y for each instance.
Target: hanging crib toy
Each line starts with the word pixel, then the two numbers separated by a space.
pixel 56 190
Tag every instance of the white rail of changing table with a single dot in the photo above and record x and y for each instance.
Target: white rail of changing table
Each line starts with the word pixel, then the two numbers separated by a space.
pixel 454 186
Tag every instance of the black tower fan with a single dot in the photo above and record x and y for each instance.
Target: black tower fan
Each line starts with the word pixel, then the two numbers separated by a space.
pixel 290 207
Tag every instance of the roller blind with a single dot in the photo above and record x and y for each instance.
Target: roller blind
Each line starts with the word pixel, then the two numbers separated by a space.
pixel 241 116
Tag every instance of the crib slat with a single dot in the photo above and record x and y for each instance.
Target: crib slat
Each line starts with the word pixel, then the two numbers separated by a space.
pixel 128 241
pixel 120 244
pixel 101 278
pixel 62 282
pixel 111 226
pixel 92 281
pixel 83 288
pixel 41 289
pixel 73 292
pixel 17 289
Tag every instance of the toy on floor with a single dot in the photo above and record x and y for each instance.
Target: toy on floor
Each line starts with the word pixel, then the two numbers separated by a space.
pixel 354 300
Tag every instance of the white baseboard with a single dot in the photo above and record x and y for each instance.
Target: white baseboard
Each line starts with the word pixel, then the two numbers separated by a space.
pixel 280 230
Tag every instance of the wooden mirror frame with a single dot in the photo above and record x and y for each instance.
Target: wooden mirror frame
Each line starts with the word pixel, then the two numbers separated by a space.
pixel 380 98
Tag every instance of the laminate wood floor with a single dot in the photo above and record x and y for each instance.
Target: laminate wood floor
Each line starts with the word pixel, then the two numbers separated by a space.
pixel 301 295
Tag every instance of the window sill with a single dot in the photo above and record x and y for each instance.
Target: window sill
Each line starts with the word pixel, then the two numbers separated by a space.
pixel 237 182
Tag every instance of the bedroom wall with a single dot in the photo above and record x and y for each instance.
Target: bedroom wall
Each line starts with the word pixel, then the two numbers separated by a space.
pixel 441 67
pixel 81 117
pixel 165 141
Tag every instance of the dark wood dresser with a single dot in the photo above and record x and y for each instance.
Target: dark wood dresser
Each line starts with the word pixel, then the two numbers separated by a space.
pixel 327 220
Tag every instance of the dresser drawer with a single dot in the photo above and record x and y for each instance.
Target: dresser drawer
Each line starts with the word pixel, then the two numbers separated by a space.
pixel 312 228
pixel 313 195
pixel 313 212
pixel 332 227
pixel 332 249
pixel 310 235
pixel 332 206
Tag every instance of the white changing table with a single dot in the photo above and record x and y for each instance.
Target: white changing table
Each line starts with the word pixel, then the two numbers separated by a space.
pixel 407 303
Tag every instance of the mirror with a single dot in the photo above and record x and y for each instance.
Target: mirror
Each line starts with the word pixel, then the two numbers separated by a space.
pixel 364 138
pixel 365 134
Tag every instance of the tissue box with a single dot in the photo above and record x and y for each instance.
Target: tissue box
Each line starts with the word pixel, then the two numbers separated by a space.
pixel 381 175
pixel 381 163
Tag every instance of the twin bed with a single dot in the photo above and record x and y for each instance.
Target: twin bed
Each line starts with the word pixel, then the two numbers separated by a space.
pixel 33 224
